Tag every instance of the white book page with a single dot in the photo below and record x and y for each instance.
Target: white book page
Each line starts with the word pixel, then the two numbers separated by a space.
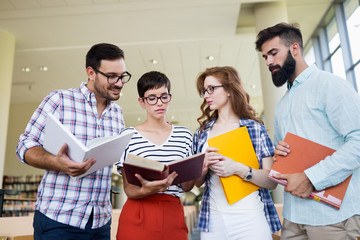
pixel 106 150
pixel 98 141
pixel 108 153
pixel 56 134
pixel 145 162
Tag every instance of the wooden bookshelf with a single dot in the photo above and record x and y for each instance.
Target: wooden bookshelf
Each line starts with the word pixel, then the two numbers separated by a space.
pixel 21 197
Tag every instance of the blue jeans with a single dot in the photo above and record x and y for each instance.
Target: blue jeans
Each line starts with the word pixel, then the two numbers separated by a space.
pixel 46 228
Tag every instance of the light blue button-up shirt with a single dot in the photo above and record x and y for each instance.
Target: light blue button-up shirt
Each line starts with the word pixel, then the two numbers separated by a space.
pixel 325 109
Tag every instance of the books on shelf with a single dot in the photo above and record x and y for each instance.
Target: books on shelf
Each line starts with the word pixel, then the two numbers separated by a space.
pixel 189 168
pixel 237 145
pixel 303 155
pixel 106 150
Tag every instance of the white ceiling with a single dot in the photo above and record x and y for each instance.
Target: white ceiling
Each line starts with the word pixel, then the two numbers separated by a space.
pixel 178 34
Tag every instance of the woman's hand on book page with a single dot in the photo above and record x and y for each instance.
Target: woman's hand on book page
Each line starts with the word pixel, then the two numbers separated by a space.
pixel 72 168
pixel 281 149
pixel 156 186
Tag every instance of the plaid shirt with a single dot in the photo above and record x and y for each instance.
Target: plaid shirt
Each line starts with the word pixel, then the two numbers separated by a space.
pixel 59 197
pixel 263 147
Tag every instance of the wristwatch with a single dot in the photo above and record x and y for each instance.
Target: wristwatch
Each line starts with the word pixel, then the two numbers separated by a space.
pixel 249 175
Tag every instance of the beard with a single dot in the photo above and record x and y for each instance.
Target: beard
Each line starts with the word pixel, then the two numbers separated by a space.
pixel 284 73
pixel 104 91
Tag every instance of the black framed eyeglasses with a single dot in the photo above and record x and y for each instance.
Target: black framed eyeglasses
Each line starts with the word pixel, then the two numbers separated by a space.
pixel 152 99
pixel 113 79
pixel 209 90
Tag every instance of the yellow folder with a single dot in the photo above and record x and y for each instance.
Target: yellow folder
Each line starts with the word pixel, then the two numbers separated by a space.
pixel 237 145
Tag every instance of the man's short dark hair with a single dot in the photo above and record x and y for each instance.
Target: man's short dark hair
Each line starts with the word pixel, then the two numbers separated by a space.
pixel 288 33
pixel 152 80
pixel 102 51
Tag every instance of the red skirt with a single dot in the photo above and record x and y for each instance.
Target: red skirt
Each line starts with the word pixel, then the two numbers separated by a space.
pixel 157 217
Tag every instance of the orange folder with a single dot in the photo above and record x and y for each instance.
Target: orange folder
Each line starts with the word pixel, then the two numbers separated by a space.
pixel 237 145
pixel 303 155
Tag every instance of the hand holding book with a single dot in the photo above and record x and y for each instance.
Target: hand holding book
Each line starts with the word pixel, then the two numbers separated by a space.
pixel 237 145
pixel 226 167
pixel 70 167
pixel 106 150
pixel 187 169
pixel 298 184
pixel 281 149
pixel 303 155
pixel 156 185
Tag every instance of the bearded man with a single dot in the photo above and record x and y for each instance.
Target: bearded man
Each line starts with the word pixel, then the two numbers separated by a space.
pixel 323 108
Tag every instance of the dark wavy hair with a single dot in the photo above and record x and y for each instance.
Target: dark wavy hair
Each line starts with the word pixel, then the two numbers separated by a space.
pixel 239 98
pixel 288 33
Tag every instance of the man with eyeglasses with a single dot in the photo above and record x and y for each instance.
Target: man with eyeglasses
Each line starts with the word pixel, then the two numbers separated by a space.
pixel 67 208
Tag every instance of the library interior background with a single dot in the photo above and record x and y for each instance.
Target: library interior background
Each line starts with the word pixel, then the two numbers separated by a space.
pixel 43 47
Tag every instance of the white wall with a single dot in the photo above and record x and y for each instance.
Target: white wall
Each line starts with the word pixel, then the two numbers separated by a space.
pixel 7 47
pixel 18 118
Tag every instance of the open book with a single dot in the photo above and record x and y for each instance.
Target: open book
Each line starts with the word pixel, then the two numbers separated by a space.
pixel 189 168
pixel 106 150
pixel 237 145
pixel 303 155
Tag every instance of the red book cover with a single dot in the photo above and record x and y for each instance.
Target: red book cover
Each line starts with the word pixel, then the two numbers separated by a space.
pixel 146 173
pixel 303 155
pixel 189 168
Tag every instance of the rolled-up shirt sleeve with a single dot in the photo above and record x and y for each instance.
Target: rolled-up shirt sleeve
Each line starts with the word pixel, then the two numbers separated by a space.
pixel 33 135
